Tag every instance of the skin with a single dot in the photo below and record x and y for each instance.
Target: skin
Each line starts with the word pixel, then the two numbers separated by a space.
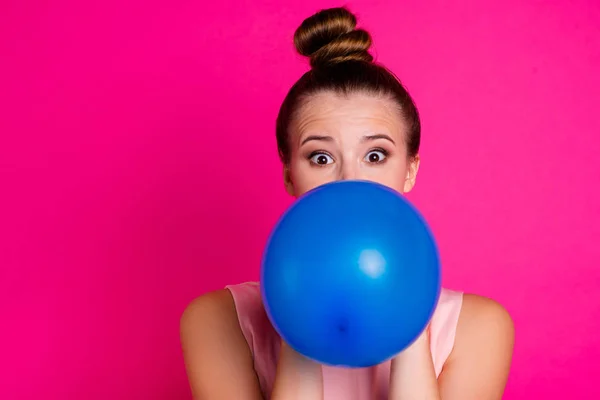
pixel 337 137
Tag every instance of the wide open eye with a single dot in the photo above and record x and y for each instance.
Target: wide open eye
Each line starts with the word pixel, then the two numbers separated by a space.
pixel 375 156
pixel 321 159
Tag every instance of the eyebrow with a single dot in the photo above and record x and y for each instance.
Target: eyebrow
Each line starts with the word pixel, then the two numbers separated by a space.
pixel 364 138
pixel 377 136
pixel 316 137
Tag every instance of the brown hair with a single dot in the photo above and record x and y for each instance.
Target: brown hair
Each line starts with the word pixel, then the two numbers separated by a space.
pixel 340 62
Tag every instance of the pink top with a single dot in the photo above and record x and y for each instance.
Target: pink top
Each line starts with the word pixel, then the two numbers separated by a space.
pixel 339 383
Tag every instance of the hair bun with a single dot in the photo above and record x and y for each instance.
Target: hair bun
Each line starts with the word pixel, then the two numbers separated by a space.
pixel 329 37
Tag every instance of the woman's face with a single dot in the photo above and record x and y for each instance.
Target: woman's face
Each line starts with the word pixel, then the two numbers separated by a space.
pixel 359 136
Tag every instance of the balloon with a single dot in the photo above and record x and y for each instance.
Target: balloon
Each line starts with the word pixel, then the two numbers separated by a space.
pixel 350 275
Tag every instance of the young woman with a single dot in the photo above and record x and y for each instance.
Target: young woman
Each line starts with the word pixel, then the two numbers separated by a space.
pixel 346 118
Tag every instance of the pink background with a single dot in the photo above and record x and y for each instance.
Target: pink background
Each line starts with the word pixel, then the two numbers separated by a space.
pixel 138 170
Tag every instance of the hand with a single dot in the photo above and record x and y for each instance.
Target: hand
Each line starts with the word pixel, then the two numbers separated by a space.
pixel 421 343
pixel 412 372
pixel 297 377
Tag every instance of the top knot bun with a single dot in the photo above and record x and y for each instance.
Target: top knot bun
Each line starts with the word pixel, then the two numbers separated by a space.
pixel 329 37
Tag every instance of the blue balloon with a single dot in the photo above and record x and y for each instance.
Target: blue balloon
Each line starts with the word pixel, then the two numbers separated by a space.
pixel 350 275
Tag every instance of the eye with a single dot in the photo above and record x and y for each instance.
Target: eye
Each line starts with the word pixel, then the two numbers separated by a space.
pixel 376 156
pixel 321 158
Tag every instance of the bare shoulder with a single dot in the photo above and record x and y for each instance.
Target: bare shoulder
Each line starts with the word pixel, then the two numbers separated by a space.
pixel 479 363
pixel 215 350
pixel 212 307
pixel 483 323
pixel 208 315
pixel 481 315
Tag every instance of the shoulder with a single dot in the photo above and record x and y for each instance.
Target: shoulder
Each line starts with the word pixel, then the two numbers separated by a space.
pixel 217 305
pixel 484 337
pixel 223 306
pixel 238 312
pixel 480 360
pixel 208 315
pixel 484 319
pixel 214 346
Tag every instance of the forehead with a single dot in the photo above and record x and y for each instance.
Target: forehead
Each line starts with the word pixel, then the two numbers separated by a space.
pixel 334 112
